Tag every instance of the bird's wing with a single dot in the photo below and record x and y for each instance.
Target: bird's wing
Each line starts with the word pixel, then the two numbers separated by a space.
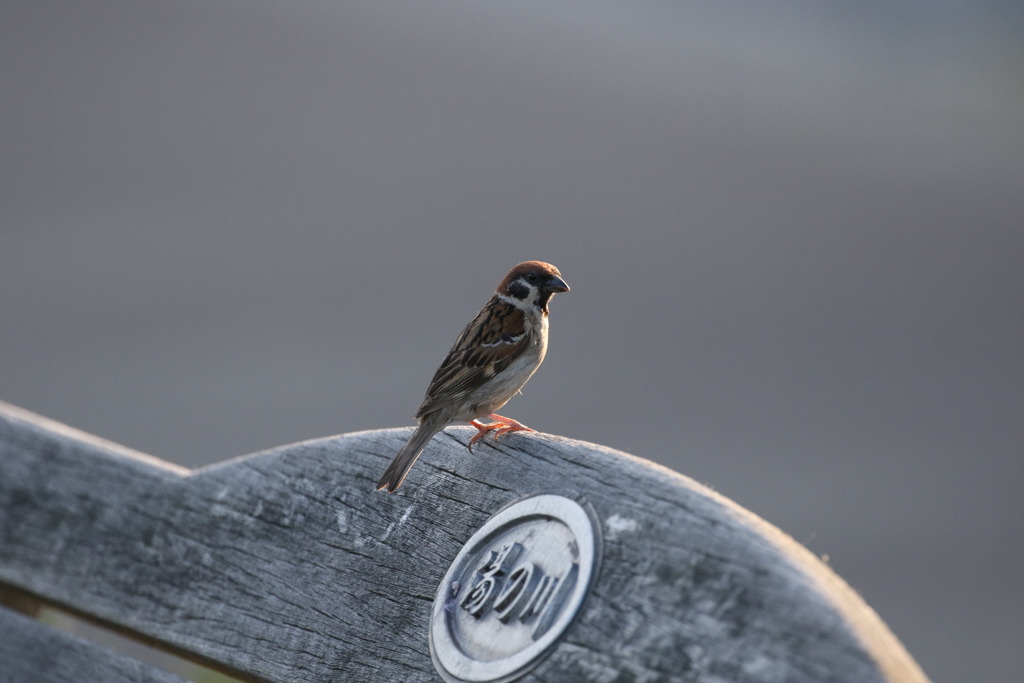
pixel 494 338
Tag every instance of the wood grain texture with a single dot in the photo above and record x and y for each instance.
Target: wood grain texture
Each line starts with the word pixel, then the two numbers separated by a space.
pixel 31 652
pixel 286 565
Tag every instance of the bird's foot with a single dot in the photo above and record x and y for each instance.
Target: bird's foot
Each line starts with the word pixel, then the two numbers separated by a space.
pixel 500 427
pixel 507 425
pixel 482 430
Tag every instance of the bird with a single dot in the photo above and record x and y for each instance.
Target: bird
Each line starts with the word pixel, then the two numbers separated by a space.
pixel 488 364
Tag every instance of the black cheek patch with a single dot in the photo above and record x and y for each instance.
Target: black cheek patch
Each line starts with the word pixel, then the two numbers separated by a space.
pixel 518 290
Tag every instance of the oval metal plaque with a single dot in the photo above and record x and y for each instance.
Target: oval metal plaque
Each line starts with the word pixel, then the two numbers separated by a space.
pixel 513 590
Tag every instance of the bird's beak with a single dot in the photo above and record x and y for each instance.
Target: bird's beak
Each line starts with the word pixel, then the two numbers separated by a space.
pixel 556 284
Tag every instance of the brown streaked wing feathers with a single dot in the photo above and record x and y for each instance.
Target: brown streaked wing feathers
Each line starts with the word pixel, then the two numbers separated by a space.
pixel 478 354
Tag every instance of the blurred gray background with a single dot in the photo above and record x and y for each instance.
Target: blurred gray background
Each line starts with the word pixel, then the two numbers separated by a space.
pixel 794 233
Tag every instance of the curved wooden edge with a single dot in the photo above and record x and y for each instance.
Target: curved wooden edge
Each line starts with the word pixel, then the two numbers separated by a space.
pixel 288 565
pixel 13 413
pixel 873 633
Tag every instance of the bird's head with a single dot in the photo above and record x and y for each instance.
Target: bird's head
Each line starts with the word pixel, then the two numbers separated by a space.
pixel 532 284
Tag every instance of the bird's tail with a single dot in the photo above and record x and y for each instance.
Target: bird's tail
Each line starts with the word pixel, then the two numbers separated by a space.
pixel 403 462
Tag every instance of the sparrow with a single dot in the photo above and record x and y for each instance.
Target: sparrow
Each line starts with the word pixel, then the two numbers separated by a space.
pixel 489 363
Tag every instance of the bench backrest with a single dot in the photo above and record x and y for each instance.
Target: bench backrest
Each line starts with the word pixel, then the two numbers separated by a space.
pixel 287 565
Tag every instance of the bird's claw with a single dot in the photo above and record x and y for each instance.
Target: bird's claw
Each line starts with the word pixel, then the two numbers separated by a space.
pixel 482 430
pixel 500 427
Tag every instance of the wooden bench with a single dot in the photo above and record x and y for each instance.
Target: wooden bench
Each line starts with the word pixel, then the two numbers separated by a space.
pixel 287 565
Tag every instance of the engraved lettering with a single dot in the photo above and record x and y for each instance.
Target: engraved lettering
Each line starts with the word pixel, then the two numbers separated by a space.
pixel 524 593
pixel 478 599
pixel 517 591
pixel 514 589
pixel 557 600
pixel 539 599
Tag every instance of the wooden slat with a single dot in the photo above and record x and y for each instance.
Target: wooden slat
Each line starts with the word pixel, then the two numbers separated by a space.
pixel 287 565
pixel 32 652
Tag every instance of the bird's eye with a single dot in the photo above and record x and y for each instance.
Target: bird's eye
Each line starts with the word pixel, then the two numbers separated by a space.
pixel 531 278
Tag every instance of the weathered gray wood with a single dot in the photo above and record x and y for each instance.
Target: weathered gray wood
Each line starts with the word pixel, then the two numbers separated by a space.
pixel 31 652
pixel 287 565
